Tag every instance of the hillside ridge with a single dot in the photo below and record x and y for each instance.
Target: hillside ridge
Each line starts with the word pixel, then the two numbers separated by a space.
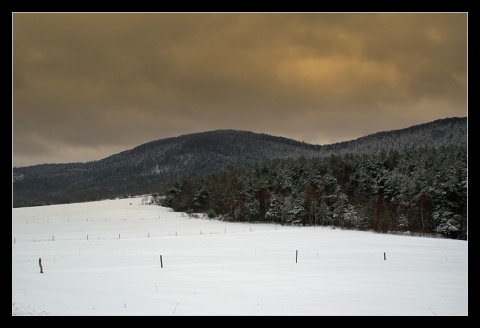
pixel 148 167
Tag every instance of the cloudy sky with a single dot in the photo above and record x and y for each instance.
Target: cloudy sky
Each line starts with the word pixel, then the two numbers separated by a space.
pixel 90 85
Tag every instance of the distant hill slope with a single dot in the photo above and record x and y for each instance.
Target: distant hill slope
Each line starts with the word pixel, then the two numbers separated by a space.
pixel 439 133
pixel 148 167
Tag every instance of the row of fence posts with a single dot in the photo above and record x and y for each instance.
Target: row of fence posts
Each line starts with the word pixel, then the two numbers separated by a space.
pixel 296 256
pixel 161 259
pixel 68 220
pixel 148 235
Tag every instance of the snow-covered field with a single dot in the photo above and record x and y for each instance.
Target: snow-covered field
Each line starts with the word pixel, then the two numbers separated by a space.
pixel 120 257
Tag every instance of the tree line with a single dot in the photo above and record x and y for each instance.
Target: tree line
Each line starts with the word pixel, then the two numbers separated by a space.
pixel 151 167
pixel 417 190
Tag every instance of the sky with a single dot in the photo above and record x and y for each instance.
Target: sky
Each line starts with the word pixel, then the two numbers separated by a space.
pixel 89 85
pixel 123 258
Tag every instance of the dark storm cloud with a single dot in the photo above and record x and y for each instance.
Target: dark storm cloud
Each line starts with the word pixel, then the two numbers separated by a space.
pixel 86 86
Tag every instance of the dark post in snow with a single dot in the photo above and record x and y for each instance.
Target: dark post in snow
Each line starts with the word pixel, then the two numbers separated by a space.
pixel 296 256
pixel 40 264
pixel 161 262
pixel 384 256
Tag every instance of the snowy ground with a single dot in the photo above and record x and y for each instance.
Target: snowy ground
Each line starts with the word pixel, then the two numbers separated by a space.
pixel 119 257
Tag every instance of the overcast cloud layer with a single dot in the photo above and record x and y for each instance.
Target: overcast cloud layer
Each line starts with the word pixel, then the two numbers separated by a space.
pixel 89 85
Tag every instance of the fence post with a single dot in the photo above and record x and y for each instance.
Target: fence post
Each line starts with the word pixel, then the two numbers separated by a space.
pixel 40 264
pixel 161 261
pixel 384 256
pixel 296 256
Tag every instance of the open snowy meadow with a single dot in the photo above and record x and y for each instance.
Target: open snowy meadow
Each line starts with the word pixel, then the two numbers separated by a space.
pixel 123 258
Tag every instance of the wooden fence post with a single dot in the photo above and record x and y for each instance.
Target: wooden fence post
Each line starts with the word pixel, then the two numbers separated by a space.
pixel 384 256
pixel 296 256
pixel 161 261
pixel 40 264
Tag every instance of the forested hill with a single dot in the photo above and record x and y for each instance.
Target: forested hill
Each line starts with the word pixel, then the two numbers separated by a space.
pixel 411 188
pixel 440 133
pixel 148 168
